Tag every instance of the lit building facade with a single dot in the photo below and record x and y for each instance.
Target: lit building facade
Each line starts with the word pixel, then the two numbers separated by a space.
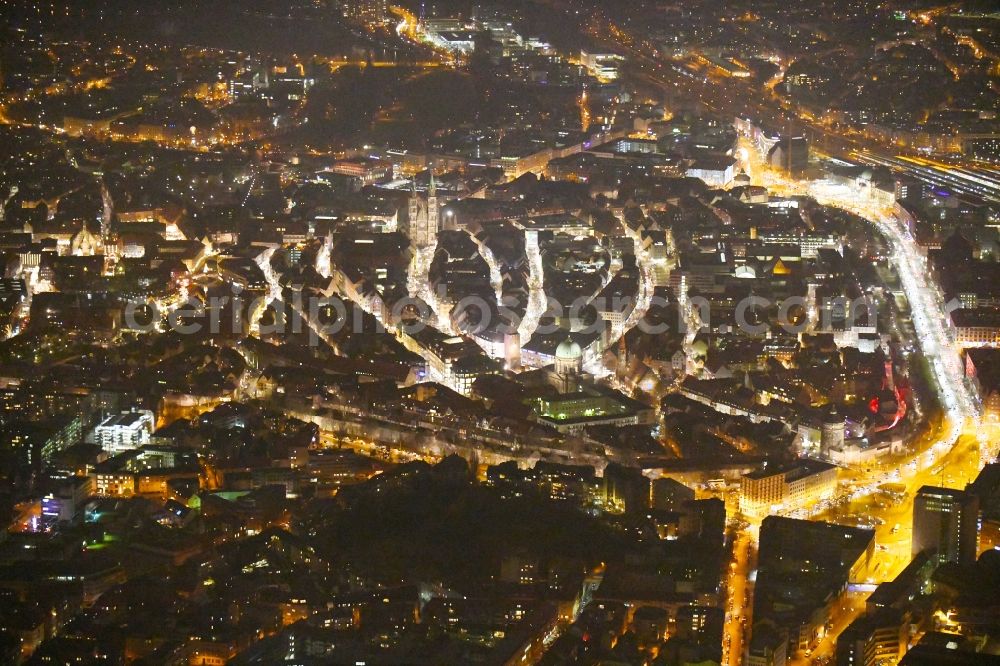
pixel 423 219
pixel 785 489
pixel 122 432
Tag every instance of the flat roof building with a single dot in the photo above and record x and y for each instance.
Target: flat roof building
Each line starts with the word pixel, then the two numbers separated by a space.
pixel 781 489
pixel 946 524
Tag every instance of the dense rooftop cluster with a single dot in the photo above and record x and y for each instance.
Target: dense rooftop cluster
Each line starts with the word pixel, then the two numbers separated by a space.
pixel 498 333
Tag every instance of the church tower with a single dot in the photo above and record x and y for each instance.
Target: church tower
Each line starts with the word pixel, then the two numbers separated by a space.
pixel 413 213
pixel 432 212
pixel 423 214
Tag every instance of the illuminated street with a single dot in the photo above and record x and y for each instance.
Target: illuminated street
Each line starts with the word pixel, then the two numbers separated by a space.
pixel 537 300
pixel 261 403
pixel 739 599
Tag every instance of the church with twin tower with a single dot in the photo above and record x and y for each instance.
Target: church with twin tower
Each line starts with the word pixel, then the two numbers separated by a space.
pixel 423 216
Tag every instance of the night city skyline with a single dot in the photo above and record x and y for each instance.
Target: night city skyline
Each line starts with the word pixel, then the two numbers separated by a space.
pixel 500 332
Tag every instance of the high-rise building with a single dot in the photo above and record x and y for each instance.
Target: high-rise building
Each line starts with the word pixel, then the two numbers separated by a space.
pixel 908 188
pixel 366 11
pixel 946 523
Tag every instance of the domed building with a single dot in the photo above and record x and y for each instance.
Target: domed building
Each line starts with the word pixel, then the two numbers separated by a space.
pixel 568 365
pixel 562 395
pixel 569 357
